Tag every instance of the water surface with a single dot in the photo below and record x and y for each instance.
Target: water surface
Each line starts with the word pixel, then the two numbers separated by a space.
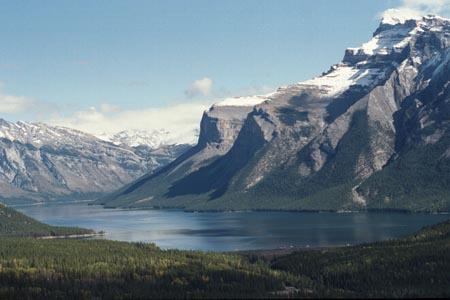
pixel 233 230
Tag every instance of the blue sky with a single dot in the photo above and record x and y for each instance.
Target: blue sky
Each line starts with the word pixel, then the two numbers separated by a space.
pixel 65 60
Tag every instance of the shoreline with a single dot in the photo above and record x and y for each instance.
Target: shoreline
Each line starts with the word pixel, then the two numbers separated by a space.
pixel 387 210
pixel 49 202
pixel 91 202
pixel 73 236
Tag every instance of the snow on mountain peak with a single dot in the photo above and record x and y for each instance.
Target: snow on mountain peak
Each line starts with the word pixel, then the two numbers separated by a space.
pixel 244 100
pixel 362 65
pixel 38 134
pixel 341 77
pixel 395 16
pixel 151 138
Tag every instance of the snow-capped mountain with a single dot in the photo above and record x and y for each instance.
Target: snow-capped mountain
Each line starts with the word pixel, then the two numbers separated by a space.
pixel 38 134
pixel 38 161
pixel 153 138
pixel 373 132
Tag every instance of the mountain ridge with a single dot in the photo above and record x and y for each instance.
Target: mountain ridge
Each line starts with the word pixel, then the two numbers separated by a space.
pixel 40 162
pixel 328 142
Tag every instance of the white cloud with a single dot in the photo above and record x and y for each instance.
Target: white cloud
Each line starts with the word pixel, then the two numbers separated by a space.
pixel 412 9
pixel 10 104
pixel 200 87
pixel 181 120
pixel 438 7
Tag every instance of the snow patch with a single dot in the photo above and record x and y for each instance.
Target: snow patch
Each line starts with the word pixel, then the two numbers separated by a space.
pixel 245 100
pixel 342 77
pixel 386 42
pixel 153 138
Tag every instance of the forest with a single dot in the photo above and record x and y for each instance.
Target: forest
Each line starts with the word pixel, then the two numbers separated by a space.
pixel 32 268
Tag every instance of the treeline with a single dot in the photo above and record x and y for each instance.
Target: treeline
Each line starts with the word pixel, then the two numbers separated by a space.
pixel 14 223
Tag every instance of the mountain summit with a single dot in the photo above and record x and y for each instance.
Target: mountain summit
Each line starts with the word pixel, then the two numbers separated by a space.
pixel 370 133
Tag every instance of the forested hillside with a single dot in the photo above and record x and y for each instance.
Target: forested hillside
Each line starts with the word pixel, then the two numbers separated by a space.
pixel 415 266
pixel 14 223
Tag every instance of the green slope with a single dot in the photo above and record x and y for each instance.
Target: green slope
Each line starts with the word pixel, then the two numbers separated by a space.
pixel 14 223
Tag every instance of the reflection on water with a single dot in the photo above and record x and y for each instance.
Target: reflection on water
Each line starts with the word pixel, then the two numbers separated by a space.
pixel 233 231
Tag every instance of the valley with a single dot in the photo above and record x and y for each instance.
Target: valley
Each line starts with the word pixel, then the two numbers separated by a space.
pixel 39 162
pixel 130 168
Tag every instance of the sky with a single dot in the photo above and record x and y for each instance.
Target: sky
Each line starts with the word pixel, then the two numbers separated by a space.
pixel 109 65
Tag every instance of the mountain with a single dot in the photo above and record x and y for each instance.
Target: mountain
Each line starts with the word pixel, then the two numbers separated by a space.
pixel 42 162
pixel 370 133
pixel 153 139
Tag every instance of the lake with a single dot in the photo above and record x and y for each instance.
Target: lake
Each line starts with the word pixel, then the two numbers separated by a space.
pixel 229 231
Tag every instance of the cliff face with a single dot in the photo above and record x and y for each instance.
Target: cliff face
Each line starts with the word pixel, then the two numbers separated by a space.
pixel 219 128
pixel 369 133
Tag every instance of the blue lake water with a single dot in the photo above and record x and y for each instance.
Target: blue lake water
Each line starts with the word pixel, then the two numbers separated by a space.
pixel 229 231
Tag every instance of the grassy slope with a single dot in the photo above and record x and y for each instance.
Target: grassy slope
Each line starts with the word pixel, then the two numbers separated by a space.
pixel 14 223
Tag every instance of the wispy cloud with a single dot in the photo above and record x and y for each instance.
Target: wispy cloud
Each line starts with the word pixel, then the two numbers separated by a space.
pixel 417 8
pixel 181 119
pixel 200 87
pixel 11 104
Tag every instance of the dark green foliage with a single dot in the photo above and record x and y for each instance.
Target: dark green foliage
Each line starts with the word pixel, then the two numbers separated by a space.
pixel 77 269
pixel 415 266
pixel 417 181
pixel 14 223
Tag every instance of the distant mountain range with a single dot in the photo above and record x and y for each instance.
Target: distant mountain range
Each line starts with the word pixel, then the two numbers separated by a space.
pixel 153 138
pixel 41 162
pixel 373 132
